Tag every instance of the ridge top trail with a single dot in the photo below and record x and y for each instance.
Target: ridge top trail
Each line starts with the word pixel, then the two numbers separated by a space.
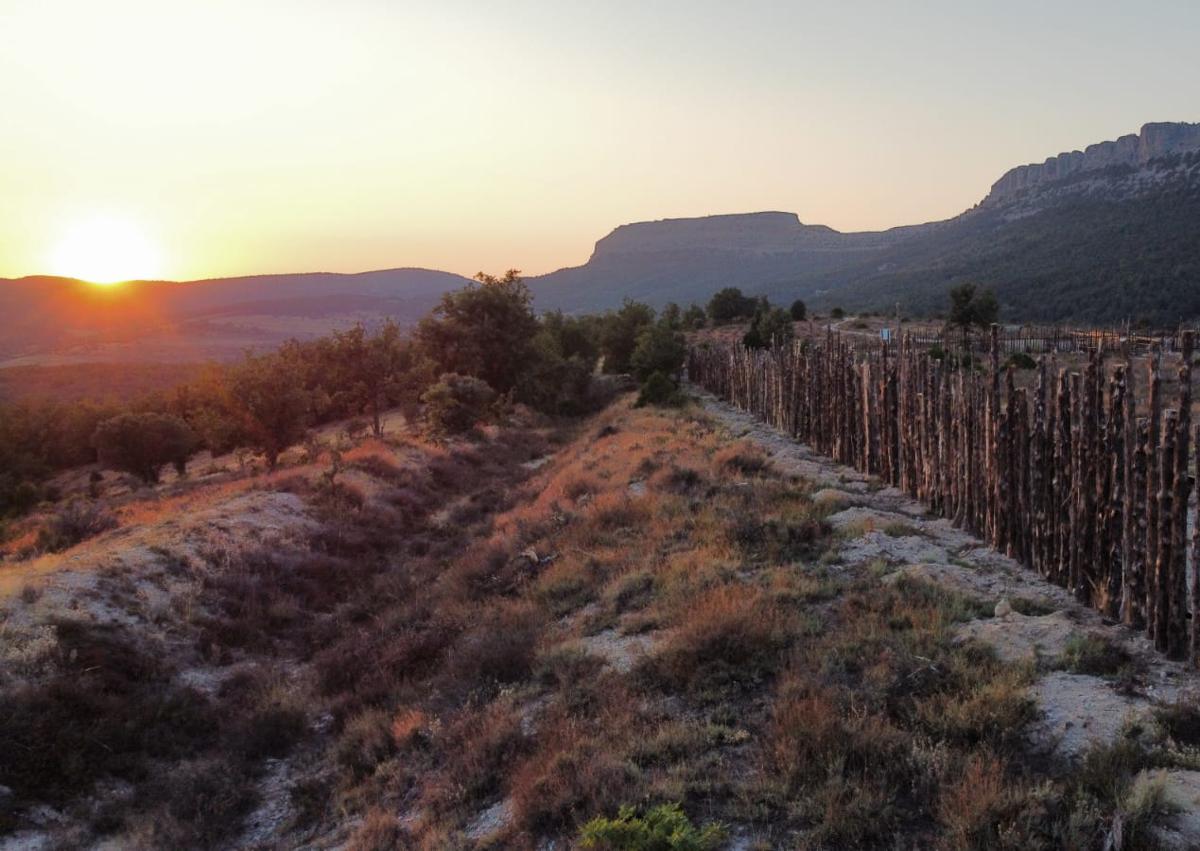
pixel 1087 485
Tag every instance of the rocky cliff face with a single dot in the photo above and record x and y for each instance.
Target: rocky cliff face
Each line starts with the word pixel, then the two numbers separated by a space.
pixel 1134 151
pixel 761 234
pixel 1099 235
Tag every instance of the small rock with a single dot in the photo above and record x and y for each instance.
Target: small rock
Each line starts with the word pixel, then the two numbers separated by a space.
pixel 491 820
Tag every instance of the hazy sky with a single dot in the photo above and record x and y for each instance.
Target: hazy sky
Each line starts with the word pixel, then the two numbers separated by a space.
pixel 255 136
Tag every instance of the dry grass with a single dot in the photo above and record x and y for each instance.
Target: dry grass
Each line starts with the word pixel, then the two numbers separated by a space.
pixel 643 619
pixel 731 636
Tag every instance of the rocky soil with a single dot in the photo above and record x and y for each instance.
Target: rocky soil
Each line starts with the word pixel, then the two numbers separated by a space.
pixel 885 528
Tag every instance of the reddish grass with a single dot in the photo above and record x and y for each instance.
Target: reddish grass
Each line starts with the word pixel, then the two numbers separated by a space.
pixel 571 777
pixel 732 634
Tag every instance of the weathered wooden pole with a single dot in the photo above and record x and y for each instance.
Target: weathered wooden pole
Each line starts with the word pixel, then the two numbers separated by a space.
pixel 1179 641
pixel 1162 568
pixel 1153 471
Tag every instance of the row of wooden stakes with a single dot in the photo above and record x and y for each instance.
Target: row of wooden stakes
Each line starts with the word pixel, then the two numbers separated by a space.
pixel 1076 476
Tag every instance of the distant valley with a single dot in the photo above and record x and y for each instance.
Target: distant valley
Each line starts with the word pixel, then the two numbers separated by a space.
pixel 55 321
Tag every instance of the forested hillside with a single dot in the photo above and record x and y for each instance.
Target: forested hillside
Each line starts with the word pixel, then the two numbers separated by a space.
pixel 1086 260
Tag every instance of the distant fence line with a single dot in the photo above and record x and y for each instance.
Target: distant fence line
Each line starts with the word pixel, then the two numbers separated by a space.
pixel 1065 478
pixel 1036 340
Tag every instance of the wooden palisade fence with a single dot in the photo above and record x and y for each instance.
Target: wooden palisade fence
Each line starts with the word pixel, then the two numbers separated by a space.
pixel 1064 477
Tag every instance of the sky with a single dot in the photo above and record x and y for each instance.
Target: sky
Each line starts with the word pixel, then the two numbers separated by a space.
pixel 233 137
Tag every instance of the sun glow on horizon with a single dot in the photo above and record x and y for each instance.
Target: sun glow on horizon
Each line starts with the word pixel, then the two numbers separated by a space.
pixel 105 250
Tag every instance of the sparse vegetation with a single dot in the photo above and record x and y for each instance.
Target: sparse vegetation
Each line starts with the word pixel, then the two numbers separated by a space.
pixel 74 522
pixel 1089 653
pixel 629 631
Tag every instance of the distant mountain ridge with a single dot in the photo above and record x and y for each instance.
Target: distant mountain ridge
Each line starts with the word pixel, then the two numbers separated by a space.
pixel 1104 234
pixel 688 259
pixel 49 319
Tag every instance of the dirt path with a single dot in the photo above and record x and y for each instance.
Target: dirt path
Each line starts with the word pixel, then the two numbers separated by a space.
pixel 883 527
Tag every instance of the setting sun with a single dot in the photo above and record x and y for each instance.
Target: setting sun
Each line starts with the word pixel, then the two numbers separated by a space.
pixel 105 250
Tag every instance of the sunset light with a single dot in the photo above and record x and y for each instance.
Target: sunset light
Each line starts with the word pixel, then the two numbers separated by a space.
pixel 105 250
pixel 682 424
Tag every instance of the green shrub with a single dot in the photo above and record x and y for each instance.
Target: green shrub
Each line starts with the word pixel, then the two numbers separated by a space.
pixel 620 333
pixel 456 403
pixel 660 348
pixel 1093 654
pixel 658 390
pixel 662 828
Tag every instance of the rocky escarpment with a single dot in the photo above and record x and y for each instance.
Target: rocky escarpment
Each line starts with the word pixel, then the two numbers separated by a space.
pixel 686 260
pixel 754 233
pixel 1134 151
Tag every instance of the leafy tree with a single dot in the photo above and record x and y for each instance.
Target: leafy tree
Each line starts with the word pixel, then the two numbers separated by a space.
pixel 694 318
pixel 456 403
pixel 485 330
pixel 142 443
pixel 206 406
pixel 770 326
pixel 837 313
pixel 269 399
pixel 729 305
pixel 660 348
pixel 671 315
pixel 619 335
pixel 799 310
pixel 558 377
pixel 573 336
pixel 370 371
pixel 971 306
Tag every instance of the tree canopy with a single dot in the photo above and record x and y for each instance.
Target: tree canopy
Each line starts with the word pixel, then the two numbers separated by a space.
pixel 485 330
pixel 143 443
pixel 971 306
pixel 729 305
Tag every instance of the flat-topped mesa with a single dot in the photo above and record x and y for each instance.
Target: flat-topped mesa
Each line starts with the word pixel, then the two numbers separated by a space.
pixel 1154 140
pixel 752 232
